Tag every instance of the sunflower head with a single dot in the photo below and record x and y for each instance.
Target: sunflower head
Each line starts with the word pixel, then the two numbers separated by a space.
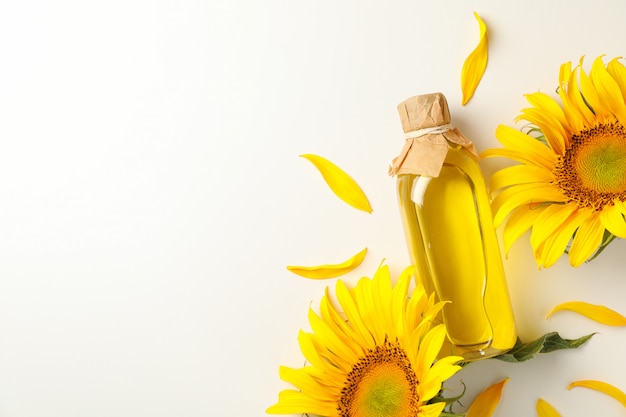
pixel 372 355
pixel 570 186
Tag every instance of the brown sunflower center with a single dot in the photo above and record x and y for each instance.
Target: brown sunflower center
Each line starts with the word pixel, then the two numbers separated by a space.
pixel 593 170
pixel 381 384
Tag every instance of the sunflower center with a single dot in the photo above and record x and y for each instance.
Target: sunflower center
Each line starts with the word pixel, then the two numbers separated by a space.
pixel 593 170
pixel 381 384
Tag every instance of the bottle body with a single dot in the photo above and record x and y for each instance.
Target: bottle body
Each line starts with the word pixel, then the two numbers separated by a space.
pixel 453 245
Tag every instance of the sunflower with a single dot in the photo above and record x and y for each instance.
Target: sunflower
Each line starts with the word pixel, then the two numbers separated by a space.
pixel 377 358
pixel 570 188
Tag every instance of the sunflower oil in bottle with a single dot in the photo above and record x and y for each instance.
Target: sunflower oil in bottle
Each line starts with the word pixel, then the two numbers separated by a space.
pixel 449 229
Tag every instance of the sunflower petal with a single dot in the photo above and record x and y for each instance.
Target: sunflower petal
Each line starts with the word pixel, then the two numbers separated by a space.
pixel 518 223
pixel 519 174
pixel 340 183
pixel 447 366
pixel 548 221
pixel 368 309
pixel 303 381
pixel 486 402
pixel 613 220
pixel 296 402
pixel 416 306
pixel 608 89
pixel 544 409
pixel 586 241
pixel 511 198
pixel 618 72
pixel 399 299
pixel 550 106
pixel 564 72
pixel 432 410
pixel 603 387
pixel 362 333
pixel 578 104
pixel 439 372
pixel 430 347
pixel 522 148
pixel 475 64
pixel 551 249
pixel 431 378
pixel 347 349
pixel 329 270
pixel 592 96
pixel 554 134
pixel 336 321
pixel 314 357
pixel 383 290
pixel 598 313
pixel 555 137
pixel 576 109
pixel 336 349
pixel 573 114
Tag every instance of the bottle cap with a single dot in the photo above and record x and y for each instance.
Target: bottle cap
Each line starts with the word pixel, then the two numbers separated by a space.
pixel 426 124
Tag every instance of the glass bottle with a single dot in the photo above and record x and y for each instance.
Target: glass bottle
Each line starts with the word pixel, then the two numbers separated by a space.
pixel 449 229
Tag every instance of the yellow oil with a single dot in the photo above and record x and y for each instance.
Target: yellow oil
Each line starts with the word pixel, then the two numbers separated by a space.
pixel 453 245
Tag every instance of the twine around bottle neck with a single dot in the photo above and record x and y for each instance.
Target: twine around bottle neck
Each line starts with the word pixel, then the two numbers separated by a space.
pixel 428 131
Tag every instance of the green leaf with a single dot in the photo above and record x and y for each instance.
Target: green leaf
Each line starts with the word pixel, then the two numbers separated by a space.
pixel 545 344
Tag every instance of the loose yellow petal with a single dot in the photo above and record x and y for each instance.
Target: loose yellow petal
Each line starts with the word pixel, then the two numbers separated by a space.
pixel 329 271
pixel 602 387
pixel 340 183
pixel 598 313
pixel 486 402
pixel 544 409
pixel 475 64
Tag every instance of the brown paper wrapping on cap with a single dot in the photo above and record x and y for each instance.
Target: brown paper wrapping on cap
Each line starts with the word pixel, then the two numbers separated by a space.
pixel 425 155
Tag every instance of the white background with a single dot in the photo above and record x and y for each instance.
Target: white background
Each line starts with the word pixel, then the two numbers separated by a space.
pixel 152 194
